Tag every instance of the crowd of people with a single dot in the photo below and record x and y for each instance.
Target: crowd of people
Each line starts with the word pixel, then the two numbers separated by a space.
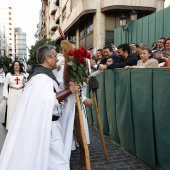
pixel 133 55
pixel 41 110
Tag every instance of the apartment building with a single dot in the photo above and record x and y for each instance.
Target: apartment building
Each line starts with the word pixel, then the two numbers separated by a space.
pixel 20 45
pixel 90 23
pixel 6 30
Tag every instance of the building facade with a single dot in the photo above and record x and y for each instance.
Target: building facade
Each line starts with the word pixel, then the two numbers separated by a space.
pixel 91 23
pixel 6 30
pixel 20 44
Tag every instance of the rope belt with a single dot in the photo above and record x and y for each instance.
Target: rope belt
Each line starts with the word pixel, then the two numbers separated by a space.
pixel 16 87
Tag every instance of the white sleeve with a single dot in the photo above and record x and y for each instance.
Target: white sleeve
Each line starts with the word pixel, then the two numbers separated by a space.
pixel 95 73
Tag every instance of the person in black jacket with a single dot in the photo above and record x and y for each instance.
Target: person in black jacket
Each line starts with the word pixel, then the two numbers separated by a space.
pixel 108 53
pixel 125 59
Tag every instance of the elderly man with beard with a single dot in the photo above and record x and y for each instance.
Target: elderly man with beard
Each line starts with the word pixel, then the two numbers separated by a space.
pixel 125 59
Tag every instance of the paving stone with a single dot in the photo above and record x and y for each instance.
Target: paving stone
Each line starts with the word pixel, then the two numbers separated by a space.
pixel 119 159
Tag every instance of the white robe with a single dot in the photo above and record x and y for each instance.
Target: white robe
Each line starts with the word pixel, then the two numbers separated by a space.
pixel 13 95
pixel 34 142
pixel 68 115
pixel 2 76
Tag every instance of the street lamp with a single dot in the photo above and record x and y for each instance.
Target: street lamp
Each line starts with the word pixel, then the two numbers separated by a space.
pixel 133 15
pixel 123 22
pixel 123 19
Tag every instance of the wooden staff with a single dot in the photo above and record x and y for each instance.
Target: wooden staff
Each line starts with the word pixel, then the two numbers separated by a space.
pixel 100 127
pixel 86 149
pixel 94 85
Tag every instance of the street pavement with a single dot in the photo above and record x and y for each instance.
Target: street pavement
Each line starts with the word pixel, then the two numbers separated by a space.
pixel 119 159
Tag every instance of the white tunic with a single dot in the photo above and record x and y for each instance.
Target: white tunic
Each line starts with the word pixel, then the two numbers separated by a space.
pixel 13 95
pixel 68 115
pixel 2 76
pixel 33 141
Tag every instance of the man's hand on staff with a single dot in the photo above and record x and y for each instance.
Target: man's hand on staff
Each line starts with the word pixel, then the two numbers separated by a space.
pixel 73 87
pixel 5 98
pixel 87 102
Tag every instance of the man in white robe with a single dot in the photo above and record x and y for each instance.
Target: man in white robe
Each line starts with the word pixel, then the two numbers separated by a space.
pixel 68 110
pixel 34 140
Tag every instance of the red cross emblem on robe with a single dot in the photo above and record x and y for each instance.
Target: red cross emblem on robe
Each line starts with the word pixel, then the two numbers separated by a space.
pixel 17 80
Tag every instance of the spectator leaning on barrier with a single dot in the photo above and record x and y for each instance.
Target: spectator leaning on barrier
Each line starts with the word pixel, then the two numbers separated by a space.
pixel 108 53
pixel 125 58
pixel 146 59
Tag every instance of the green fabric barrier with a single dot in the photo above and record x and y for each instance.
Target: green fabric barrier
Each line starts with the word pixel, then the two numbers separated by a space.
pixel 166 31
pixel 134 32
pixel 118 36
pixel 123 110
pixel 145 29
pixel 161 96
pixel 159 24
pixel 89 109
pixel 130 33
pixel 134 110
pixel 139 31
pixel 141 88
pixel 102 103
pixel 152 29
pixel 111 105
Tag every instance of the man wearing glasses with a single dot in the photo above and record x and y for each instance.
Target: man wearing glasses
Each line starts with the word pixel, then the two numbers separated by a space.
pixel 160 49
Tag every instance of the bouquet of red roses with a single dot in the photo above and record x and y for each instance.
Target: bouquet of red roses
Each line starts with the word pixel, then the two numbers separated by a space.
pixel 78 66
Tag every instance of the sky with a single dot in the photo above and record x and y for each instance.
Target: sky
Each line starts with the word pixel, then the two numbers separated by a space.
pixel 26 16
pixel 167 2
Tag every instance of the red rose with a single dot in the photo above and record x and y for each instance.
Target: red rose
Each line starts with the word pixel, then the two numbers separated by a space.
pixel 70 53
pixel 76 53
pixel 88 55
pixel 81 60
pixel 82 50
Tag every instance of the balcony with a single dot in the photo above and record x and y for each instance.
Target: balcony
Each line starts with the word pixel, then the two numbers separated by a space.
pixel 53 26
pixel 80 9
pixel 53 9
pixel 113 5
